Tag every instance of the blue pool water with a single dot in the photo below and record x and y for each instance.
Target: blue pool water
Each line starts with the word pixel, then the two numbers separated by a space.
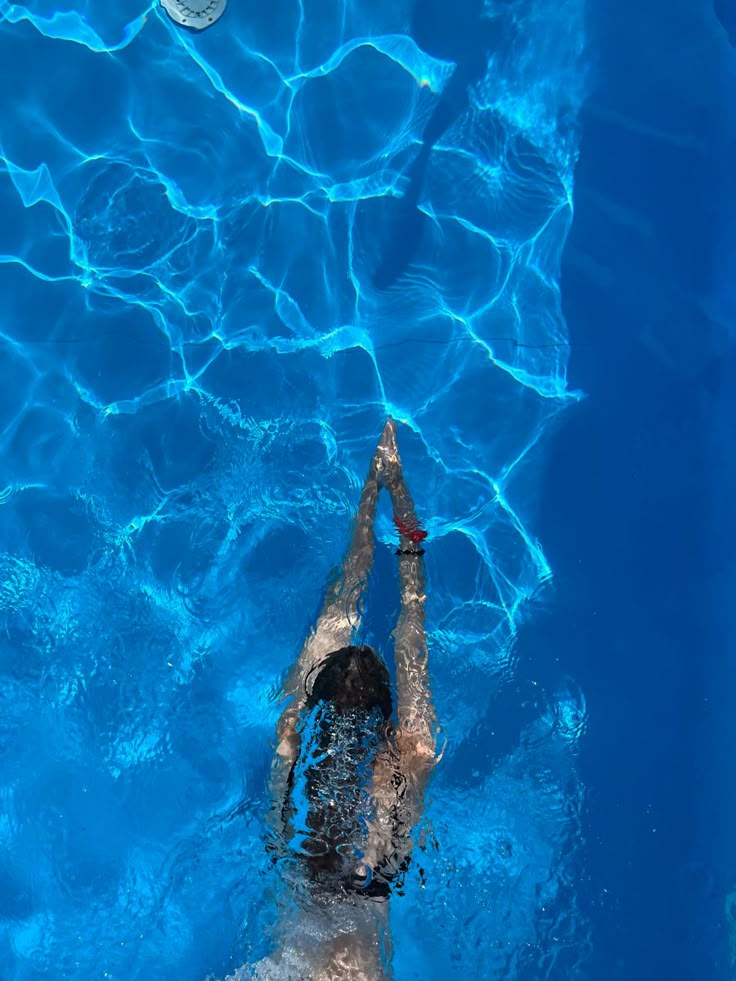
pixel 225 257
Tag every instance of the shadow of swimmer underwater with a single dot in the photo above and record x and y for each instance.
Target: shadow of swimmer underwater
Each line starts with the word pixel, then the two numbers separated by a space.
pixel 353 757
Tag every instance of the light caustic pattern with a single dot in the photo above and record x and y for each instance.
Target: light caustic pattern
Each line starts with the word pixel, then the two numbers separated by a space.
pixel 225 258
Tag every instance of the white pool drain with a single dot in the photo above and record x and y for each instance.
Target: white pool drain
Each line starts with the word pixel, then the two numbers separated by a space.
pixel 194 13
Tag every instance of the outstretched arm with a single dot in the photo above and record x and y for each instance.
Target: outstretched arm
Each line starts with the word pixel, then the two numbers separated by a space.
pixel 340 615
pixel 400 777
pixel 417 722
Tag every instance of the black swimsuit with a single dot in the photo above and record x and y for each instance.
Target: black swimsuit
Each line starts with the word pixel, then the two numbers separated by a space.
pixel 327 806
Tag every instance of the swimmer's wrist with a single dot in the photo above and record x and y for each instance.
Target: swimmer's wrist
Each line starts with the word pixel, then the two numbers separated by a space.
pixel 411 536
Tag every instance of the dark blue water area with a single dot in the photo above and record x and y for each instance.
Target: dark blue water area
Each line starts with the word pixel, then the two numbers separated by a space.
pixel 225 258
pixel 637 514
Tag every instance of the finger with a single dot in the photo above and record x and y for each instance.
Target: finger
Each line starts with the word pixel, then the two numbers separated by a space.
pixel 387 441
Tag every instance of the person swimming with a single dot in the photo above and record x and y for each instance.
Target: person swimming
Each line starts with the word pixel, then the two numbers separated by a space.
pixel 352 762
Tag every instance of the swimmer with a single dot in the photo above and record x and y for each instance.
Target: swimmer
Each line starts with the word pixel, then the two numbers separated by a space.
pixel 351 762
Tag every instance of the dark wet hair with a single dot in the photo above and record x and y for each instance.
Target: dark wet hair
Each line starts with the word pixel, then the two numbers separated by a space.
pixel 346 719
pixel 353 678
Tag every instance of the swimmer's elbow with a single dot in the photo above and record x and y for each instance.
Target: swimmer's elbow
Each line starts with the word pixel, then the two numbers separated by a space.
pixel 419 750
pixel 287 740
pixel 427 754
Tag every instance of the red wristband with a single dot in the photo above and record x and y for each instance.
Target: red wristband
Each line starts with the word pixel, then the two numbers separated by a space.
pixel 413 532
